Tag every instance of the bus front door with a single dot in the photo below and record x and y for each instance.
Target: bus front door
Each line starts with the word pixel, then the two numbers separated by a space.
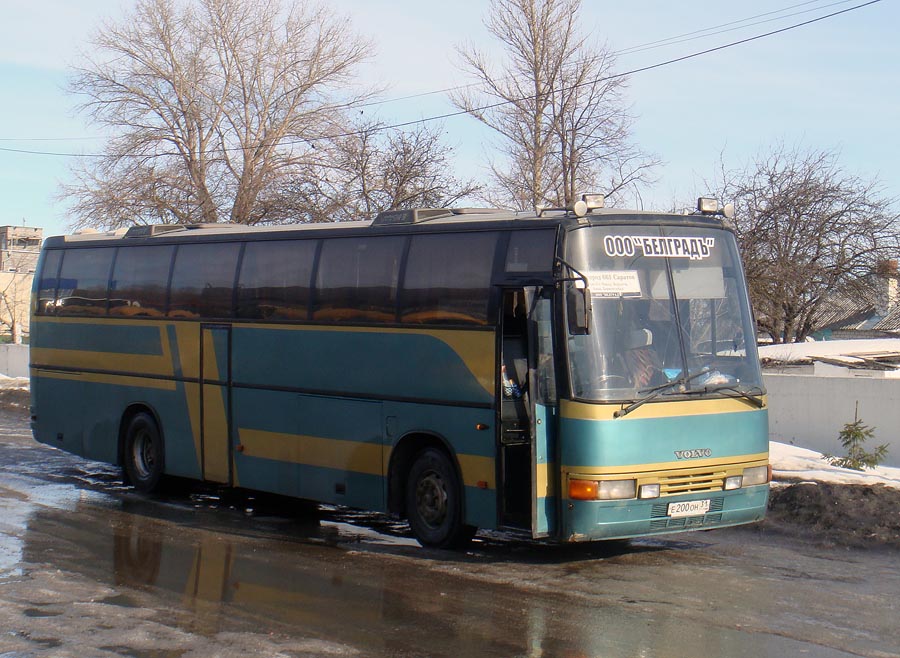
pixel 215 398
pixel 515 441
pixel 544 469
pixel 528 413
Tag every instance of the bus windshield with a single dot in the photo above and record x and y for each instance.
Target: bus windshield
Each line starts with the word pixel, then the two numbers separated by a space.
pixel 668 305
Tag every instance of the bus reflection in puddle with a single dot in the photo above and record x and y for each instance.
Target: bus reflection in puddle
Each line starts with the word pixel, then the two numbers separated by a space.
pixel 381 604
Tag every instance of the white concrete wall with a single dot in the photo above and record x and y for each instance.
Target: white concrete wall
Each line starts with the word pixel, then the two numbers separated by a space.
pixel 810 411
pixel 14 360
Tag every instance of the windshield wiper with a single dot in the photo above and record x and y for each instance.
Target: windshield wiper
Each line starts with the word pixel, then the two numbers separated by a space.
pixel 752 395
pixel 651 393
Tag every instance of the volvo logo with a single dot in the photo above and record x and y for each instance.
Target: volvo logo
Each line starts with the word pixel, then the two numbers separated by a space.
pixel 697 453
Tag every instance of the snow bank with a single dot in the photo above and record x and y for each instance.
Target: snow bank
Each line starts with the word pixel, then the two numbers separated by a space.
pixel 800 351
pixel 14 382
pixel 793 463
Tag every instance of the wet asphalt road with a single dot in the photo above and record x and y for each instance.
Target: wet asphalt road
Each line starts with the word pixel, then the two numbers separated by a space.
pixel 88 568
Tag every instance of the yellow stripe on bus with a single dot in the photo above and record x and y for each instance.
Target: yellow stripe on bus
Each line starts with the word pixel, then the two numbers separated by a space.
pixel 585 411
pixel 159 365
pixel 477 471
pixel 313 451
pixel 356 456
pixel 742 461
pixel 103 378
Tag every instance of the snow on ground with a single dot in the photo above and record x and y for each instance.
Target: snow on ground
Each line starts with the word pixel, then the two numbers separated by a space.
pixel 793 463
pixel 799 351
pixel 13 382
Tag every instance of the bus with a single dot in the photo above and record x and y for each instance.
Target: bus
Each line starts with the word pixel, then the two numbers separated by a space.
pixel 568 374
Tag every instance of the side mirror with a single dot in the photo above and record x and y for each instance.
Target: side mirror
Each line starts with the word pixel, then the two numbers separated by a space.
pixel 578 310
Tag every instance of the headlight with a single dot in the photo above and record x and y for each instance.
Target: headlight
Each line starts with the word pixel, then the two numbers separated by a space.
pixel 649 491
pixel 733 482
pixel 603 490
pixel 756 475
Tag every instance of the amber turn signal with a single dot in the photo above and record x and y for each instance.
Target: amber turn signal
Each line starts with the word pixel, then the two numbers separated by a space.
pixel 583 489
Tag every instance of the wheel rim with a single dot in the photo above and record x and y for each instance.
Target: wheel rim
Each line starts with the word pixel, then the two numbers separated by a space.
pixel 142 454
pixel 431 499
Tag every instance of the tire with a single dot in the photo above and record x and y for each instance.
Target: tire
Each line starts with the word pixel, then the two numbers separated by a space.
pixel 434 502
pixel 144 456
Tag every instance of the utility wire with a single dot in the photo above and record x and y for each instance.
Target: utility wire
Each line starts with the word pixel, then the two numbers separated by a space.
pixel 704 33
pixel 673 40
pixel 491 106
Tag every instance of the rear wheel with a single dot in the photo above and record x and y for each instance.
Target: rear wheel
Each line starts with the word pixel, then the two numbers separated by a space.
pixel 144 457
pixel 434 502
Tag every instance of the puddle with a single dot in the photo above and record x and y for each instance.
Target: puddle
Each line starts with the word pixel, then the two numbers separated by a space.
pixel 142 653
pixel 39 612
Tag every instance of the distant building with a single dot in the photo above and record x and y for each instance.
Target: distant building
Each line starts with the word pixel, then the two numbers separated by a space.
pixel 869 308
pixel 20 247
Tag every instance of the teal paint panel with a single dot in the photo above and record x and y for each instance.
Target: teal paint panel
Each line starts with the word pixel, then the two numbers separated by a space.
pixel 335 419
pixel 340 419
pixel 481 508
pixel 57 423
pixel 91 428
pixel 591 520
pixel 176 355
pixel 378 363
pixel 104 336
pixel 311 482
pixel 627 441
pixel 456 425
pixel 220 337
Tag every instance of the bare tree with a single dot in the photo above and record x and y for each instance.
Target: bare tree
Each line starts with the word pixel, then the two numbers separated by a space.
pixel 368 170
pixel 806 229
pixel 556 104
pixel 213 104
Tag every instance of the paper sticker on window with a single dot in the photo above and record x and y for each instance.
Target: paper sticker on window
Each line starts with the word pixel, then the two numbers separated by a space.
pixel 614 283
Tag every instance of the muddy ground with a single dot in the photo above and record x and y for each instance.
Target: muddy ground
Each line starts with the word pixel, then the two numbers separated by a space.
pixel 842 514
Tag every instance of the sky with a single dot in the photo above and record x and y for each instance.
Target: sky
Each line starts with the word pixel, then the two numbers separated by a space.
pixel 833 84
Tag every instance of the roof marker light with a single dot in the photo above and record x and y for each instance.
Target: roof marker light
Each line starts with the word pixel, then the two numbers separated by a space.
pixel 708 206
pixel 593 201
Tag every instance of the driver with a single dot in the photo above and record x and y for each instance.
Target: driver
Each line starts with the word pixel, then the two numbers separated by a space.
pixel 639 353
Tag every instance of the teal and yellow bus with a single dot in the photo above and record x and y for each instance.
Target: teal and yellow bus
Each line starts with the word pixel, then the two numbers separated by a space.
pixel 575 375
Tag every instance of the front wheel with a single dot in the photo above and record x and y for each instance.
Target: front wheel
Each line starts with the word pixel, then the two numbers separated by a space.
pixel 144 457
pixel 434 502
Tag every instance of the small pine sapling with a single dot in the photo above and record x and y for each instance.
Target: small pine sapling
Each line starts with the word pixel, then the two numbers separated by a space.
pixel 852 437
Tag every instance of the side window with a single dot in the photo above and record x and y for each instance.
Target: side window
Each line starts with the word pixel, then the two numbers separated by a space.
pixel 357 279
pixel 203 280
pixel 83 281
pixel 448 278
pixel 274 281
pixel 47 283
pixel 140 277
pixel 531 251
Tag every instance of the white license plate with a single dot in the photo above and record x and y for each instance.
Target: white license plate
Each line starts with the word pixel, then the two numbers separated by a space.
pixel 689 508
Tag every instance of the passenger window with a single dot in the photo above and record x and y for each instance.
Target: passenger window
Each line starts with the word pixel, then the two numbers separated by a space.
pixel 448 278
pixel 138 286
pixel 357 279
pixel 275 278
pixel 83 281
pixel 203 280
pixel 46 299
pixel 531 251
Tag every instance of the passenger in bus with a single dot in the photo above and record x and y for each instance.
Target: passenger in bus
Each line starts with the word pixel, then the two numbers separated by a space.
pixel 510 388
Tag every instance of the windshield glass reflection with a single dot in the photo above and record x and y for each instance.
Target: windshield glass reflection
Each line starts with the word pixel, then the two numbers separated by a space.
pixel 667 304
